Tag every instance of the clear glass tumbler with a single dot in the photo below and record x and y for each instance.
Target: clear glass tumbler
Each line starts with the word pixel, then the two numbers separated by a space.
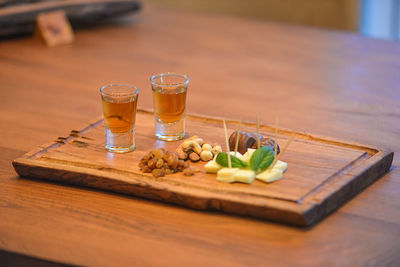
pixel 119 110
pixel 169 95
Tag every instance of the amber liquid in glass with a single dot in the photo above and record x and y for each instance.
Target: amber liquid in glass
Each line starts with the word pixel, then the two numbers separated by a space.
pixel 169 104
pixel 120 113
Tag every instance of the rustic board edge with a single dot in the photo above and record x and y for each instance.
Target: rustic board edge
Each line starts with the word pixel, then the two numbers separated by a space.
pixel 377 167
pixel 300 214
pixel 281 211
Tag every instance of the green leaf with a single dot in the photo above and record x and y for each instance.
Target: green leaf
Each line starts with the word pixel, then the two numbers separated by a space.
pixel 222 159
pixel 261 158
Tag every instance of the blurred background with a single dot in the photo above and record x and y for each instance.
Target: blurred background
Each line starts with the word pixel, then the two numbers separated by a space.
pixel 374 18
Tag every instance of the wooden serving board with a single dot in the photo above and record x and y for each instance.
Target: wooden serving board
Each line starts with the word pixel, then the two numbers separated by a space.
pixel 322 175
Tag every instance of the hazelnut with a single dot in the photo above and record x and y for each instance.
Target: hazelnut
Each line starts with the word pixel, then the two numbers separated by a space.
pixel 206 155
pixel 206 147
pixel 216 149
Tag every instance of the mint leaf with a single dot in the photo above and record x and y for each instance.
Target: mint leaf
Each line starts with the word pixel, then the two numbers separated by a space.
pixel 222 159
pixel 261 158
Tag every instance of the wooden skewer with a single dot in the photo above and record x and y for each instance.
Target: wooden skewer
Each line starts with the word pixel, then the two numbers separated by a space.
pixel 238 136
pixel 258 133
pixel 282 151
pixel 227 146
pixel 276 137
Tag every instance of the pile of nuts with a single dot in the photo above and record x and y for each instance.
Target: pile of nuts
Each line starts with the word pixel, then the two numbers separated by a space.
pixel 160 162
pixel 195 149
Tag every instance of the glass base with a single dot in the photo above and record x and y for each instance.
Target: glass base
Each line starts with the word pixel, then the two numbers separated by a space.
pixel 170 131
pixel 120 142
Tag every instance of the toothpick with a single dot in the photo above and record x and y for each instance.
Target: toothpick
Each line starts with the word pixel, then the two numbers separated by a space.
pixel 276 136
pixel 282 151
pixel 238 136
pixel 227 146
pixel 258 133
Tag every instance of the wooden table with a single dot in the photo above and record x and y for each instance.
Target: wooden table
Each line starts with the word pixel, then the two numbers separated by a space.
pixel 325 82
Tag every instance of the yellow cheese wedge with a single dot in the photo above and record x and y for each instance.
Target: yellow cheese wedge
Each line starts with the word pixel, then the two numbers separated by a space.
pixel 226 175
pixel 270 175
pixel 248 154
pixel 280 165
pixel 212 167
pixel 244 176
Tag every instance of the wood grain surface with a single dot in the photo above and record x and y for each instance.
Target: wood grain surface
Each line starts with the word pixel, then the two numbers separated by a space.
pixel 325 82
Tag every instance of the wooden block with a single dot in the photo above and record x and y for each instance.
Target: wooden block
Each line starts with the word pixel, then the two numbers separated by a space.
pixel 54 28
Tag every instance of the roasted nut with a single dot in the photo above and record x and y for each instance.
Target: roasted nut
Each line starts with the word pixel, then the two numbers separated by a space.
pixel 191 145
pixel 206 147
pixel 199 140
pixel 174 165
pixel 181 154
pixel 187 172
pixel 146 169
pixel 158 153
pixel 172 159
pixel 147 157
pixel 194 157
pixel 206 155
pixel 186 165
pixel 152 163
pixel 158 172
pixel 159 163
pixel 169 171
pixel 180 163
pixel 191 171
pixel 216 149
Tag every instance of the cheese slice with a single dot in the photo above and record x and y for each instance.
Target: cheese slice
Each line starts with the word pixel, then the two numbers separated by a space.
pixel 238 155
pixel 226 175
pixel 280 165
pixel 212 167
pixel 248 154
pixel 244 176
pixel 270 175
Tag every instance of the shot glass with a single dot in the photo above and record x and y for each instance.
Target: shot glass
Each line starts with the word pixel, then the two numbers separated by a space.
pixel 169 95
pixel 119 110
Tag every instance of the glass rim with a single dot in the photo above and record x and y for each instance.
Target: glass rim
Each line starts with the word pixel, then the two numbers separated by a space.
pixel 134 92
pixel 184 83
